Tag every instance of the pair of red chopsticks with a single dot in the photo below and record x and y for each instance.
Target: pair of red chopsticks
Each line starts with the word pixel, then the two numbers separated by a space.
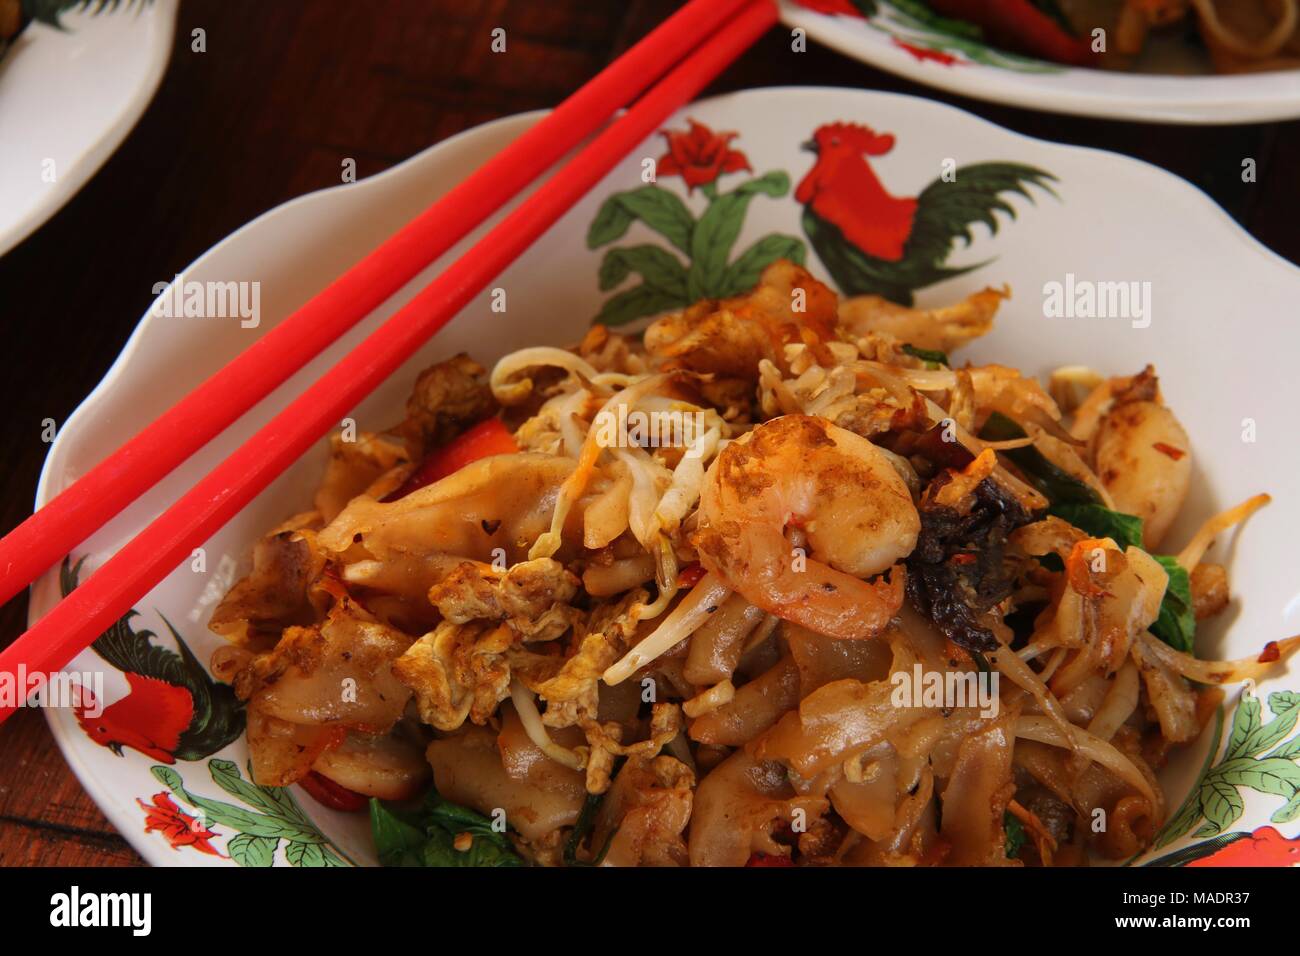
pixel 684 54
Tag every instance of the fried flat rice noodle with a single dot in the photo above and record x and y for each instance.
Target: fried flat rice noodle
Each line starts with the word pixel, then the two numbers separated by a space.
pixel 277 592
pixel 1099 751
pixel 538 795
pixel 841 719
pixel 739 805
pixel 976 796
pixel 338 672
pixel 756 706
pixel 501 502
pixel 646 812
pixel 369 464
pixel 944 328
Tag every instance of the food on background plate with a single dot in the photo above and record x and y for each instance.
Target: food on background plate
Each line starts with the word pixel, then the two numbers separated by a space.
pixel 1238 35
pixel 12 22
pixel 776 583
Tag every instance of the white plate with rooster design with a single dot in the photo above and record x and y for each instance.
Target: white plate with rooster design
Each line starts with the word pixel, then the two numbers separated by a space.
pixel 69 94
pixel 1215 329
pixel 1178 88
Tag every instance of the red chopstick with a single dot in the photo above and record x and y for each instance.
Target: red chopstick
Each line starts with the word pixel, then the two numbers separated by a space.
pixel 83 507
pixel 149 557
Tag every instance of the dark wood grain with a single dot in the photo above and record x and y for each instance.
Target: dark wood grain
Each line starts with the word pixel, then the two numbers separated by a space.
pixel 285 92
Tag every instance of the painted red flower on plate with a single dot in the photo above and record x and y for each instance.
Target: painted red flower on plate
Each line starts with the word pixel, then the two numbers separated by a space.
pixel 700 156
pixel 923 53
pixel 1263 847
pixel 841 7
pixel 177 827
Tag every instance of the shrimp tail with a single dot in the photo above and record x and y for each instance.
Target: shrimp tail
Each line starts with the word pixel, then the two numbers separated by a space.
pixel 869 607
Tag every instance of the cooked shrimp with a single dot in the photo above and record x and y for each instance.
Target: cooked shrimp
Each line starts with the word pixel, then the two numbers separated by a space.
pixel 836 487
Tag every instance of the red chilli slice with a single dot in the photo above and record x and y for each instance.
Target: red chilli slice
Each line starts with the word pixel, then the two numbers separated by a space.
pixel 690 575
pixel 488 437
pixel 330 794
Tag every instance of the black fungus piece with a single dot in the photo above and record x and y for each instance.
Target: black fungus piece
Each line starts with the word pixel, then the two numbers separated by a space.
pixel 959 568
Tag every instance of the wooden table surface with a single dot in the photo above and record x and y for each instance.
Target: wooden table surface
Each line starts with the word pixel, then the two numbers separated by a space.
pixel 284 93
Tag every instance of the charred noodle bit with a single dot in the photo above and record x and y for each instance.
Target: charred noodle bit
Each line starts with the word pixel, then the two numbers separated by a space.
pixel 1025 495
pixel 825 521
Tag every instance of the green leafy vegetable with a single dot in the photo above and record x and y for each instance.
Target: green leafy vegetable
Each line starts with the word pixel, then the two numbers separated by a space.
pixel 586 818
pixel 1100 522
pixel 1059 486
pixel 1073 501
pixel 427 838
pixel 1016 836
pixel 1176 625
pixel 932 357
pixel 397 839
